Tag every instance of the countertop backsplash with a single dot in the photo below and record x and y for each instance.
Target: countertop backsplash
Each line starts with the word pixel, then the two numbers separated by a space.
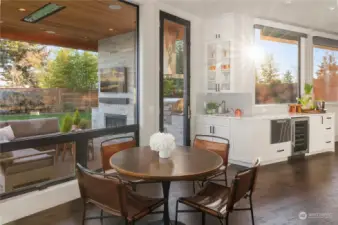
pixel 242 101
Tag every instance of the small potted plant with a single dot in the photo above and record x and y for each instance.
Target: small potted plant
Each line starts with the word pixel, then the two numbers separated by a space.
pixel 84 124
pixel 211 107
pixel 76 120
pixel 306 100
pixel 66 124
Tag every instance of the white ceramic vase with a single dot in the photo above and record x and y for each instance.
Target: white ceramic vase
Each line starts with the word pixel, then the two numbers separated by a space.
pixel 164 154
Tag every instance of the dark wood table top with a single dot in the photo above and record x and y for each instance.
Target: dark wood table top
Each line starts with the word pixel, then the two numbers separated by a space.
pixel 185 163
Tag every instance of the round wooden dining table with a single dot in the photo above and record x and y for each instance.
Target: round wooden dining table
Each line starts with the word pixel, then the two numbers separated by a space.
pixel 184 164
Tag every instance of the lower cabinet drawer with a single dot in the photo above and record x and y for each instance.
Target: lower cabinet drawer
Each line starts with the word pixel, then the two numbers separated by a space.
pixel 278 151
pixel 328 144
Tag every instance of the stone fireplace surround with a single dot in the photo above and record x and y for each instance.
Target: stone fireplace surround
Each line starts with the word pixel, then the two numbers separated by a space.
pixel 116 51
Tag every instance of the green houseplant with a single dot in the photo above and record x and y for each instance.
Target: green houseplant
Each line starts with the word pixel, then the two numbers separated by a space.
pixel 84 124
pixel 306 100
pixel 76 119
pixel 66 124
pixel 211 107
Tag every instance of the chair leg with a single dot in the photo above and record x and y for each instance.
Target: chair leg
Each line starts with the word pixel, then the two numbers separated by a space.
pixel 101 216
pixel 84 213
pixel 227 219
pixel 226 179
pixel 133 187
pixel 251 210
pixel 176 213
pixel 203 218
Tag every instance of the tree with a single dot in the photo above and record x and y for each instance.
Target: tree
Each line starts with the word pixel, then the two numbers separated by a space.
pixel 21 62
pixel 328 66
pixel 288 78
pixel 72 69
pixel 269 72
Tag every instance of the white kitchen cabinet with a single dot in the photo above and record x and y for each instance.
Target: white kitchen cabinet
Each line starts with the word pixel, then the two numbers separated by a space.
pixel 204 129
pixel 316 134
pixel 218 71
pixel 277 152
pixel 214 126
pixel 219 29
pixel 322 133
pixel 250 137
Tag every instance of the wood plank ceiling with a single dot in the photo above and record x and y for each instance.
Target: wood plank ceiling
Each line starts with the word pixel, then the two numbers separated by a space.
pixel 80 25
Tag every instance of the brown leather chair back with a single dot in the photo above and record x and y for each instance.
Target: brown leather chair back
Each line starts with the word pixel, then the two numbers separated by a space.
pixel 107 193
pixel 110 149
pixel 222 149
pixel 243 184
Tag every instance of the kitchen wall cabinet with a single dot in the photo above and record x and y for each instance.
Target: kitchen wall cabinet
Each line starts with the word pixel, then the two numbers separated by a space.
pixel 218 66
pixel 227 72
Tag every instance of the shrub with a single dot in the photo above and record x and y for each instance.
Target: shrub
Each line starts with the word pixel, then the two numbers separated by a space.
pixel 67 123
pixel 84 124
pixel 68 107
pixel 76 118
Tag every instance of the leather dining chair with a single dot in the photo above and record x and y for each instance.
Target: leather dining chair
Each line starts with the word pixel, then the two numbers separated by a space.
pixel 219 201
pixel 108 149
pixel 220 146
pixel 111 195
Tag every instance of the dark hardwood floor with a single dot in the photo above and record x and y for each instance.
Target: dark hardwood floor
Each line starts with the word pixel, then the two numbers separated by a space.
pixel 283 191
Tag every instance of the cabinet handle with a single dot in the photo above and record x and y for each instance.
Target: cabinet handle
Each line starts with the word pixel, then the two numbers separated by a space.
pixel 210 130
pixel 329 128
pixel 280 150
pixel 213 129
pixel 328 142
pixel 216 87
pixel 329 117
pixel 322 119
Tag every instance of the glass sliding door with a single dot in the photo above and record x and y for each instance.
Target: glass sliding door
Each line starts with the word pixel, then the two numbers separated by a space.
pixel 175 77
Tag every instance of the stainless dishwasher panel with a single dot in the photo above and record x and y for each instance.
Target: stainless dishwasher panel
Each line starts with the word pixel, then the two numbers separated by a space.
pixel 280 131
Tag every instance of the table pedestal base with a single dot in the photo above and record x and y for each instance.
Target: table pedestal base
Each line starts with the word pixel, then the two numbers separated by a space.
pixel 161 222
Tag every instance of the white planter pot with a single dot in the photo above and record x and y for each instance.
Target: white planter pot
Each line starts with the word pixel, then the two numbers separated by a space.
pixel 164 154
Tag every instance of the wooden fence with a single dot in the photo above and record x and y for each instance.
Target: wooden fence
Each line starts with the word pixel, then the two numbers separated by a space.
pixel 57 99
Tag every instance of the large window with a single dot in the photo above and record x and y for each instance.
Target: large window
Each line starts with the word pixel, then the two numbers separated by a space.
pixel 325 69
pixel 68 74
pixel 276 63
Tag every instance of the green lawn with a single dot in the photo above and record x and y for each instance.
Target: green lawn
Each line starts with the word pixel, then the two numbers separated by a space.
pixel 85 115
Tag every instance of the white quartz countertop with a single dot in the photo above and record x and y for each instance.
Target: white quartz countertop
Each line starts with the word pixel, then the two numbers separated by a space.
pixel 268 116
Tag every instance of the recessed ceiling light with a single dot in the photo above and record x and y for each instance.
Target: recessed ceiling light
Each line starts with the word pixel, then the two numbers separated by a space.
pixel 115 7
pixel 331 8
pixel 50 32
pixel 288 2
pixel 22 10
pixel 111 29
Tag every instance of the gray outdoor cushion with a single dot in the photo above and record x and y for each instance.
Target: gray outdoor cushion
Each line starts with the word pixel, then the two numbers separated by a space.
pixel 33 127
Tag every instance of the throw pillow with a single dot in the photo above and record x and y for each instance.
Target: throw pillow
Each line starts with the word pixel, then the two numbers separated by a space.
pixel 6 133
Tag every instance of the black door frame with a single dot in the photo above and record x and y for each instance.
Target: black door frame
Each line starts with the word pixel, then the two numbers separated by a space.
pixel 186 95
